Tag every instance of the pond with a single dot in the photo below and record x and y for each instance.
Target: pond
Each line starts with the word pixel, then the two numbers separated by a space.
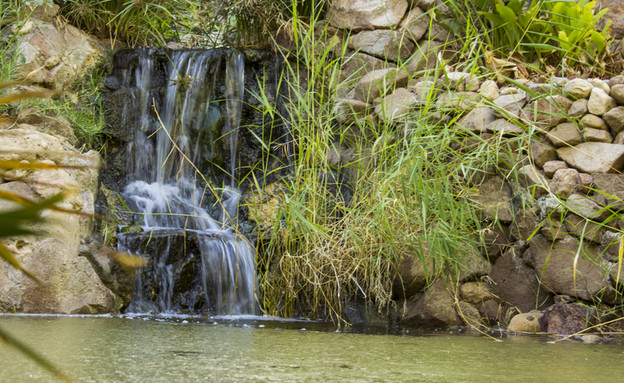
pixel 255 349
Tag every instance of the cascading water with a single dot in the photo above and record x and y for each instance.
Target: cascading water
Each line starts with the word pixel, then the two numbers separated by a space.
pixel 198 262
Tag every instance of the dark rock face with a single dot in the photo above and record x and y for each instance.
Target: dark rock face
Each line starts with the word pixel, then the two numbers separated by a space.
pixel 565 318
pixel 517 284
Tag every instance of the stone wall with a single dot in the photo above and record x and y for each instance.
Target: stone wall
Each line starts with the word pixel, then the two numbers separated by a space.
pixel 554 213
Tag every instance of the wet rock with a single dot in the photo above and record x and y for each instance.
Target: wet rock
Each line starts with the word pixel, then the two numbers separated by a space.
pixel 366 14
pixel 565 182
pixel 600 102
pixel 566 134
pixel 434 308
pixel 382 43
pixel 565 318
pixel 554 264
pixel 578 88
pixel 516 283
pixel 615 119
pixel 525 322
pixel 594 157
pixel 469 314
pixel 413 274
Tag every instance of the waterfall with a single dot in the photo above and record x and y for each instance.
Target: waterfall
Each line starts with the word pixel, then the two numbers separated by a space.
pixel 198 261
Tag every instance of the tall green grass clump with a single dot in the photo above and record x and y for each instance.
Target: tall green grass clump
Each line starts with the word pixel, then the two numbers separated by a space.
pixel 361 196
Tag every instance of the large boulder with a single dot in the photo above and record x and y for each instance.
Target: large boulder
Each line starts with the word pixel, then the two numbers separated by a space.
pixel 56 54
pixel 434 308
pixel 69 284
pixel 569 267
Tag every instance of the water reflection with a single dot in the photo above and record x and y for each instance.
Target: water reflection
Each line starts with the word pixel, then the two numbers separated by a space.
pixel 257 350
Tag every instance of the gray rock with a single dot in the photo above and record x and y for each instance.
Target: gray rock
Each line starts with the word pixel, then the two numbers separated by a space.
pixel 415 24
pixel 615 119
pixel 554 228
pixel 396 105
pixel 617 92
pixel 366 14
pixel 554 264
pixel 378 83
pixel 548 111
pixel 551 167
pixel 424 4
pixel 460 81
pixel 565 182
pixel 346 110
pixel 382 43
pixel 533 180
pixel 511 104
pixel 597 135
pixel 489 90
pixel 541 90
pixel 503 126
pixel 594 157
pixel 566 134
pixel 357 64
pixel 459 101
pixel 611 186
pixel 578 108
pixel 619 139
pixel 591 121
pixel 541 152
pixel 425 56
pixel 578 88
pixel 477 119
pixel 583 228
pixel 600 102
pixel 587 207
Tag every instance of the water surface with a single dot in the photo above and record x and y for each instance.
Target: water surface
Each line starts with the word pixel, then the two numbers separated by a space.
pixel 103 349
